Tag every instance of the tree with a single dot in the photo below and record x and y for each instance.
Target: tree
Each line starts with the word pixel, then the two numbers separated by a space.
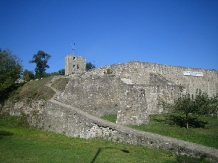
pixel 10 70
pixel 61 72
pixel 89 66
pixel 198 104
pixel 28 75
pixel 41 59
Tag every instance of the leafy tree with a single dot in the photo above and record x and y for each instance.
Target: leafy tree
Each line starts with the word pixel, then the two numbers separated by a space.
pixel 89 66
pixel 198 104
pixel 28 75
pixel 61 72
pixel 10 71
pixel 41 59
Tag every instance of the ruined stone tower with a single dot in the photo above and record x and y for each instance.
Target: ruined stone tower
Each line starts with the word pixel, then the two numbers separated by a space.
pixel 74 64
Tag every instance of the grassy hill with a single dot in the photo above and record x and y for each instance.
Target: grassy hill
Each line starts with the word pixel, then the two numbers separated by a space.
pixel 37 89
pixel 20 143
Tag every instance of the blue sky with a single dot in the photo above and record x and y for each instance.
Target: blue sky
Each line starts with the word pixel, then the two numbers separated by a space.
pixel 173 32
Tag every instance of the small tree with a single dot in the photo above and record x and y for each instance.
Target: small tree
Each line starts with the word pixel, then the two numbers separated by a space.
pixel 41 59
pixel 61 72
pixel 28 75
pixel 198 104
pixel 89 66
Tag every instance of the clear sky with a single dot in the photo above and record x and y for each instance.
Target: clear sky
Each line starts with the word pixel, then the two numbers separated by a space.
pixel 172 32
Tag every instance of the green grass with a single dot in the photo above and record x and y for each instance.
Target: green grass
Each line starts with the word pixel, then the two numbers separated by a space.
pixel 60 84
pixel 161 124
pixel 111 118
pixel 35 89
pixel 20 143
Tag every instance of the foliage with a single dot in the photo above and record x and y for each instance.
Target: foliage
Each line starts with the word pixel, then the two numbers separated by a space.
pixel 28 75
pixel 20 144
pixel 89 66
pixel 61 72
pixel 198 104
pixel 109 71
pixel 41 59
pixel 169 124
pixel 10 71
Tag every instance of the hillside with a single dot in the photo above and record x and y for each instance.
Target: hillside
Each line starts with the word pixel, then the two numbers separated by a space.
pixel 32 100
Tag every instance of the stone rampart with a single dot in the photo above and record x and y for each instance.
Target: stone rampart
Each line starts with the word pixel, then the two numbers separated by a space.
pixel 99 94
pixel 137 102
pixel 65 119
pixel 139 73
pixel 94 94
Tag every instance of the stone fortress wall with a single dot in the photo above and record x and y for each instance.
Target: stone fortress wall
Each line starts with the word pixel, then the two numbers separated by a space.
pixel 133 90
pixel 89 95
pixel 140 73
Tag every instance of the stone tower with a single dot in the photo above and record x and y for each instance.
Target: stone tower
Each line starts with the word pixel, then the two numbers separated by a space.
pixel 74 64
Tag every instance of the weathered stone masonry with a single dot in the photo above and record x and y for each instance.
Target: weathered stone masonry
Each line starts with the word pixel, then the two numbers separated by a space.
pixel 132 91
pixel 74 64
pixel 65 119
pixel 61 118
pixel 140 72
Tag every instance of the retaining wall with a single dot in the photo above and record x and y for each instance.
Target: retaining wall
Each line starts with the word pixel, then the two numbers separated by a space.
pixel 65 119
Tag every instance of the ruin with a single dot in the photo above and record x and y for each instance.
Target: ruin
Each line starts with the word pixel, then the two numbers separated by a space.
pixel 131 90
pixel 134 90
pixel 74 64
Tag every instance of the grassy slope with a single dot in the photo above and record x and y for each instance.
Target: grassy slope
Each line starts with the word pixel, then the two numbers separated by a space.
pixel 207 136
pixel 18 143
pixel 160 124
pixel 36 90
pixel 60 84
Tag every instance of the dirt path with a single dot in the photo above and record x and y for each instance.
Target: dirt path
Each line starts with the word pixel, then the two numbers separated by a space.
pixel 57 93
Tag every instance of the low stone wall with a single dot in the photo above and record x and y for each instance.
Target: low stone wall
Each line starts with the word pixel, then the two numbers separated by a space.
pixel 65 119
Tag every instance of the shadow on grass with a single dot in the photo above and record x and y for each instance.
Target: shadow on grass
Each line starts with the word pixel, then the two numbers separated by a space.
pixel 185 159
pixel 180 121
pixel 101 149
pixel 5 133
